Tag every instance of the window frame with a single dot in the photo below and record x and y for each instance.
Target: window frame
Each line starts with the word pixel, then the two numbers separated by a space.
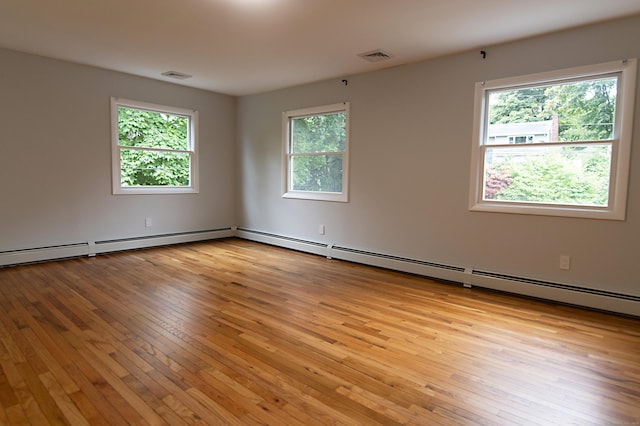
pixel 287 120
pixel 192 149
pixel 620 143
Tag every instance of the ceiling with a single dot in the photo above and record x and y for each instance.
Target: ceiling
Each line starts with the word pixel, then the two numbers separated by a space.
pixel 241 47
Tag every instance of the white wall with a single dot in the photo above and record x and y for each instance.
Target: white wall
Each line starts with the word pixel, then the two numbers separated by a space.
pixel 410 156
pixel 55 157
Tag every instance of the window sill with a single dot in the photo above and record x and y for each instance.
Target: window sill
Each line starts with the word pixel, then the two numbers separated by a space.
pixel 317 196
pixel 154 191
pixel 549 210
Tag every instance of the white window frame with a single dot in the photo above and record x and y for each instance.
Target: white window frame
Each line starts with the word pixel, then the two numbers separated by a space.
pixel 621 142
pixel 287 119
pixel 192 150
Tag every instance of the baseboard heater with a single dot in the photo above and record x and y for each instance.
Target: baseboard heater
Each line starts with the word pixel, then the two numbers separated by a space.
pixel 564 293
pixel 160 240
pixel 283 241
pixel 40 254
pixel 92 248
pixel 622 303
pixel 398 263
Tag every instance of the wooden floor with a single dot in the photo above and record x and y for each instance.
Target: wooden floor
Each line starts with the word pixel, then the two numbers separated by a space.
pixel 234 332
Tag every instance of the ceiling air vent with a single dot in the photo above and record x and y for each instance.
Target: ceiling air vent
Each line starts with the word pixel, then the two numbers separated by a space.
pixel 177 75
pixel 375 55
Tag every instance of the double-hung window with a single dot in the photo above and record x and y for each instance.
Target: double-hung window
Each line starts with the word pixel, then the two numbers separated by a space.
pixel 154 148
pixel 555 143
pixel 316 146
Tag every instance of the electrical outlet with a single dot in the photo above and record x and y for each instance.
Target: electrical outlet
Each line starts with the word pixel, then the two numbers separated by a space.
pixel 321 229
pixel 565 262
pixel 148 222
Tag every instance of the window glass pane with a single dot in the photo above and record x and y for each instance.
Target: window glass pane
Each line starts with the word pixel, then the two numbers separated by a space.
pixel 152 168
pixel 317 173
pixel 574 111
pixel 319 133
pixel 152 129
pixel 572 175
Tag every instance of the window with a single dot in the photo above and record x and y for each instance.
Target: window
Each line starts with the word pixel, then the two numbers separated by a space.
pixel 555 143
pixel 316 142
pixel 154 148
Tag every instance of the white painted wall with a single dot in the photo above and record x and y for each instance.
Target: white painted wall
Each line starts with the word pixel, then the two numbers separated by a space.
pixel 55 157
pixel 410 156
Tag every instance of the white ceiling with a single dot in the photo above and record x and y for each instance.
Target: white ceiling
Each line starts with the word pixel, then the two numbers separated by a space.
pixel 244 47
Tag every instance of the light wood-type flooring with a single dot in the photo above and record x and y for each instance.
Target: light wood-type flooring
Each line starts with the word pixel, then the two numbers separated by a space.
pixel 235 332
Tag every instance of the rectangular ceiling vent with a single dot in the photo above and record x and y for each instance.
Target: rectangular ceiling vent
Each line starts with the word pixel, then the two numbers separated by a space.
pixel 375 55
pixel 176 75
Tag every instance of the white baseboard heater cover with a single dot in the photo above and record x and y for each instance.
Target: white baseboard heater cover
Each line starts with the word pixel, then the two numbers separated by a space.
pixel 91 248
pixel 282 241
pixel 160 240
pixel 40 254
pixel 567 294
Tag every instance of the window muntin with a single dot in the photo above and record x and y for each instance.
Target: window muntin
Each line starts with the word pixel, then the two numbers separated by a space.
pixel 555 143
pixel 316 150
pixel 153 148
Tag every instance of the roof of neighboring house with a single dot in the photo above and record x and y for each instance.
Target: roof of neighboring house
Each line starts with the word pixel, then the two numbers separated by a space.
pixel 532 128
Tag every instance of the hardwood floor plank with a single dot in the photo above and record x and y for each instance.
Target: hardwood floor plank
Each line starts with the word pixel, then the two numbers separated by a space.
pixel 67 407
pixel 111 404
pixel 29 397
pixel 16 416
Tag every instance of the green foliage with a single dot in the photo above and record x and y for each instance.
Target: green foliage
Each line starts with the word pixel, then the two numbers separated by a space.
pixel 585 109
pixel 519 106
pixel 563 176
pixel 321 173
pixel 147 129
pixel 317 146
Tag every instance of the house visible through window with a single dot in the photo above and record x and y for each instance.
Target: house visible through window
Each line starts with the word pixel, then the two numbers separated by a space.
pixel 153 148
pixel 316 153
pixel 555 143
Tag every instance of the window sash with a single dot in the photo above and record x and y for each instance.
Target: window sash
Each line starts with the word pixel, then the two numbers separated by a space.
pixel 295 148
pixel 541 151
pixel 187 142
pixel 189 156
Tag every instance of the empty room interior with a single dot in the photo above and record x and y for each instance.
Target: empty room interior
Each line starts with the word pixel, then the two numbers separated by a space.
pixel 320 212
